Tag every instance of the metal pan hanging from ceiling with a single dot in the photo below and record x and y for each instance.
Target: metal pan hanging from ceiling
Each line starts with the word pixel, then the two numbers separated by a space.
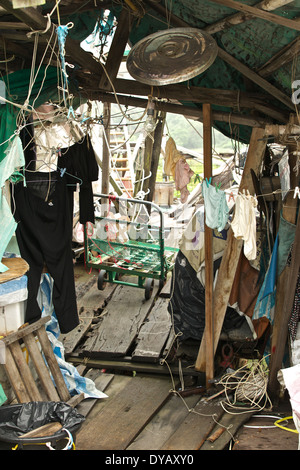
pixel 171 56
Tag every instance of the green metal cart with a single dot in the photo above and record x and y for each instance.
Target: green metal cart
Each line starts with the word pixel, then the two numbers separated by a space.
pixel 127 244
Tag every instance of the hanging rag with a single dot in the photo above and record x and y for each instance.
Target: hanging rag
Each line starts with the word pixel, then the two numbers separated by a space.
pixel 13 161
pixel 244 223
pixel 172 155
pixel 215 205
pixel 183 174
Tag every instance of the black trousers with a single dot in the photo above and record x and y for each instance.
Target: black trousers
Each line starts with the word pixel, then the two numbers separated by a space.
pixel 44 235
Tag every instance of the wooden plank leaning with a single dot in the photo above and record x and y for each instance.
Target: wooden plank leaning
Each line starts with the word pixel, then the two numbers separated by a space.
pixel 233 248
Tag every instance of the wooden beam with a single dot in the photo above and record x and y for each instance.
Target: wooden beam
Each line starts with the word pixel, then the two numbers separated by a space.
pixel 254 77
pixel 233 248
pixel 283 57
pixel 37 22
pixel 256 12
pixel 241 17
pixel 116 50
pixel 285 287
pixel 190 111
pixel 156 151
pixel 208 241
pixel 236 64
pixel 105 150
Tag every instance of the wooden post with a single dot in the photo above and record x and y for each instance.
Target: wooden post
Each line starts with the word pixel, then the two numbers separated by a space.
pixel 233 248
pixel 285 288
pixel 158 133
pixel 106 153
pixel 208 241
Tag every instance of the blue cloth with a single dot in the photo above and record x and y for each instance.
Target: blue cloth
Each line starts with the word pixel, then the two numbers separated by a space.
pixel 215 205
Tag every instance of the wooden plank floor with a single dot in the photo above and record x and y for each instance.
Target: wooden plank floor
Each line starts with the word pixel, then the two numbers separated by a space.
pixel 142 411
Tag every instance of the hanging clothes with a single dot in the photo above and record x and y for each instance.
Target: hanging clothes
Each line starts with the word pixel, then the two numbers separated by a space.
pixel 244 223
pixel 215 205
pixel 183 174
pixel 80 161
pixel 13 161
pixel 44 234
pixel 295 313
pixel 172 155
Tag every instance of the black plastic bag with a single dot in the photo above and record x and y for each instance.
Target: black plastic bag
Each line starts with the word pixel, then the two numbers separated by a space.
pixel 19 419
pixel 187 304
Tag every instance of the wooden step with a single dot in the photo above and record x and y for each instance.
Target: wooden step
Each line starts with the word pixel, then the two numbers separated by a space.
pixel 120 159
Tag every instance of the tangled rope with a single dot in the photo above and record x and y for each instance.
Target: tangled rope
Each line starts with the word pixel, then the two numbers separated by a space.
pixel 246 389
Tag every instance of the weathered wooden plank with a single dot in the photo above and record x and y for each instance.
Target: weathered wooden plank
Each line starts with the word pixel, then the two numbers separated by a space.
pixel 166 290
pixel 88 304
pixel 122 418
pixel 153 333
pixel 15 378
pixel 164 423
pixel 53 364
pixel 231 423
pixel 126 311
pixel 25 372
pixel 196 427
pixel 41 367
pixel 208 242
pixel 234 246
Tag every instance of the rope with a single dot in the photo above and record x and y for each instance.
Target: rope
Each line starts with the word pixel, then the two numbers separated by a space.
pixel 248 386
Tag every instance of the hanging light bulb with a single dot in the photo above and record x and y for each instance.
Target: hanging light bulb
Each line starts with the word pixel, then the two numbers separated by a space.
pixel 150 122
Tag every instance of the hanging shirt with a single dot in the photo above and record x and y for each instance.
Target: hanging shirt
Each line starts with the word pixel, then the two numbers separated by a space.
pixel 215 205
pixel 80 161
pixel 244 223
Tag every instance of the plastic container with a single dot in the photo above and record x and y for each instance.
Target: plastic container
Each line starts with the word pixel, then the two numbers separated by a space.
pixel 13 297
pixel 16 420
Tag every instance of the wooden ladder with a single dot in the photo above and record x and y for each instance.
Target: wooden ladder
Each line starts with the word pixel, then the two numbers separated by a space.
pixel 19 372
pixel 121 158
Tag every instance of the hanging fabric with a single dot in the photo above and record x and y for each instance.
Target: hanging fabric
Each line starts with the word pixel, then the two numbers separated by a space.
pixel 215 205
pixel 80 161
pixel 13 161
pixel 244 223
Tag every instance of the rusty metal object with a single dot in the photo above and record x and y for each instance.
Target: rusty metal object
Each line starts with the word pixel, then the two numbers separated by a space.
pixel 171 56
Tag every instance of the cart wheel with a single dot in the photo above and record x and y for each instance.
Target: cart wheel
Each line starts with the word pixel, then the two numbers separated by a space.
pixel 148 288
pixel 101 279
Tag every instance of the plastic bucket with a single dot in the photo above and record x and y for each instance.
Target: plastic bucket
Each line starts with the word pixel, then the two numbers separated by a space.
pixel 16 420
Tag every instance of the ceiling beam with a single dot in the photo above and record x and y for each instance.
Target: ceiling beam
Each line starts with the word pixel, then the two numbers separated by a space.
pixel 37 22
pixel 192 112
pixel 241 17
pixel 230 98
pixel 235 63
pixel 257 79
pixel 283 57
pixel 117 48
pixel 256 12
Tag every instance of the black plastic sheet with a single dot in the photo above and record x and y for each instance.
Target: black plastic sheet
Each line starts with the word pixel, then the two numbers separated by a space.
pixel 16 420
pixel 187 304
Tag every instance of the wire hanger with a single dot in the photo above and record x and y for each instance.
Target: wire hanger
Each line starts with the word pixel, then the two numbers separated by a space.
pixel 61 171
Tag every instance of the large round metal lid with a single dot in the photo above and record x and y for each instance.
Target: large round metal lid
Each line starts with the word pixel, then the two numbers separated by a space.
pixel 171 56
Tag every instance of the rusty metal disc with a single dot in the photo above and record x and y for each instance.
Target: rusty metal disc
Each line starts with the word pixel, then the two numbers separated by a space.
pixel 171 56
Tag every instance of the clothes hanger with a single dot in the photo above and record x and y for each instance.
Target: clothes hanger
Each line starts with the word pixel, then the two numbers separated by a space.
pixel 62 171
